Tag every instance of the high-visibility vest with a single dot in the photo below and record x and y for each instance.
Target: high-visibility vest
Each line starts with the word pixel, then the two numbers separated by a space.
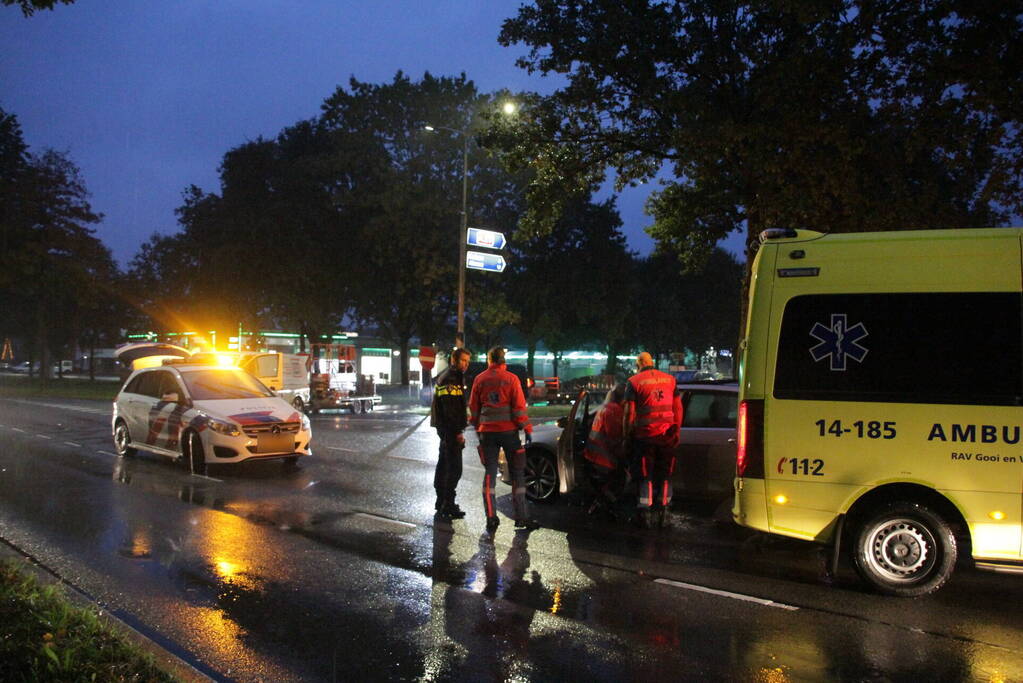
pixel 496 403
pixel 604 443
pixel 655 407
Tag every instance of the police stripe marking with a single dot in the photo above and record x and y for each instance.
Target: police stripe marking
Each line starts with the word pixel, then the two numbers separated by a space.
pixel 727 594
pixel 378 518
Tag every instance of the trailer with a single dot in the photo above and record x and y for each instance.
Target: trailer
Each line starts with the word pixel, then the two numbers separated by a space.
pixel 335 385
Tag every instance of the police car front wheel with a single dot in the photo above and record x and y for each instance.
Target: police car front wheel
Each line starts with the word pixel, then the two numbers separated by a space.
pixel 195 454
pixel 122 440
pixel 905 549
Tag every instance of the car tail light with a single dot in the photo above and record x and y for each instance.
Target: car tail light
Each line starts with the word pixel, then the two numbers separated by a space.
pixel 749 455
pixel 529 382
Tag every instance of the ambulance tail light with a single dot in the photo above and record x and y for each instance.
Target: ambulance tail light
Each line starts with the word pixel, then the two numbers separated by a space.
pixel 749 454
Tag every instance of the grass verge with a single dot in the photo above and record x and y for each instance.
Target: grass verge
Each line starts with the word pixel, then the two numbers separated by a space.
pixel 19 386
pixel 43 637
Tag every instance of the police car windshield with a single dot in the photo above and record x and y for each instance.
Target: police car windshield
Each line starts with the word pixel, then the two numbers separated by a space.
pixel 207 385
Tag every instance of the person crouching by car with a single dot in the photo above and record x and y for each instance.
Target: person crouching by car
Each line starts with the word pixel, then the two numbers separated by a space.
pixel 605 449
pixel 497 410
pixel 448 417
pixel 651 423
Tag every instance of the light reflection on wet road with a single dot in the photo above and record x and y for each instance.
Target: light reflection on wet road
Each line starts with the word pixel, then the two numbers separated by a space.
pixel 337 571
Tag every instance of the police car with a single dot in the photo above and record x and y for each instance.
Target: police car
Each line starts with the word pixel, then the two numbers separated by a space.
pixel 206 414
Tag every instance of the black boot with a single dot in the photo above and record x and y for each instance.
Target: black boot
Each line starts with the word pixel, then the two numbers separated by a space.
pixel 492 523
pixel 453 511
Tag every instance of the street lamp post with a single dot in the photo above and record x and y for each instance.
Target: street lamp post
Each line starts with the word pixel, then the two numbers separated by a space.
pixel 463 227
pixel 508 108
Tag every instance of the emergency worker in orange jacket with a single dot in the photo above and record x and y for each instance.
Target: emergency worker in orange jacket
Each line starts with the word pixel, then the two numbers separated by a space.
pixel 651 423
pixel 497 409
pixel 605 449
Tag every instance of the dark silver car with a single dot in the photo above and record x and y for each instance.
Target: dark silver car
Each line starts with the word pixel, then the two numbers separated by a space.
pixel 706 453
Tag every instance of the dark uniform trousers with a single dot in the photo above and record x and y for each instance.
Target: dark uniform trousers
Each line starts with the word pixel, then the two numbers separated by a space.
pixel 449 467
pixel 654 463
pixel 491 444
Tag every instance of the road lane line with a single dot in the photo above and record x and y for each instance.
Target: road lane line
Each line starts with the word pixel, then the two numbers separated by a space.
pixel 72 443
pixel 402 457
pixel 108 453
pixel 726 594
pixel 203 476
pixel 18 430
pixel 378 518
pixel 43 436
pixel 343 450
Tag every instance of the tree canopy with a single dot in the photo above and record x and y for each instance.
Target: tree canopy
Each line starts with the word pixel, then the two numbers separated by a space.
pixel 840 116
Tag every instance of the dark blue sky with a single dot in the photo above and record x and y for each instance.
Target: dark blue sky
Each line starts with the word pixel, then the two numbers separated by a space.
pixel 147 95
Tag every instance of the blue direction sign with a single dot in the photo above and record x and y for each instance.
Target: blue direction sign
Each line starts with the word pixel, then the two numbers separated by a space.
pixel 478 260
pixel 478 237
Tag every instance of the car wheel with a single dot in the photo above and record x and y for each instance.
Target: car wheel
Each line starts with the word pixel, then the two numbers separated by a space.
pixel 369 407
pixel 541 476
pixel 122 440
pixel 356 407
pixel 196 455
pixel 905 550
pixel 298 404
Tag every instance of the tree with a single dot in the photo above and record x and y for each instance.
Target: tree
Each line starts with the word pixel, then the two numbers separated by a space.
pixel 571 285
pixel 842 116
pixel 409 234
pixel 694 310
pixel 29 7
pixel 53 268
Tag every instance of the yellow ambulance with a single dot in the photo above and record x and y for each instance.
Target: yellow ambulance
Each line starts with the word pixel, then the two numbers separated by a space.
pixel 881 385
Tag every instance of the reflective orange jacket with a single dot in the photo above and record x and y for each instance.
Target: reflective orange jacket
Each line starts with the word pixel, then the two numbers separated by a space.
pixel 655 405
pixel 604 443
pixel 496 403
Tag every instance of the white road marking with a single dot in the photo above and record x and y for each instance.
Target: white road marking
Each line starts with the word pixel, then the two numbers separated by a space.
pixel 108 453
pixel 78 409
pixel 378 518
pixel 18 430
pixel 343 450
pixel 43 436
pixel 726 594
pixel 72 443
pixel 402 457
pixel 203 476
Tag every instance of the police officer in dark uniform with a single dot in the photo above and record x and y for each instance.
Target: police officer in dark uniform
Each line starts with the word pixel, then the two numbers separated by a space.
pixel 448 417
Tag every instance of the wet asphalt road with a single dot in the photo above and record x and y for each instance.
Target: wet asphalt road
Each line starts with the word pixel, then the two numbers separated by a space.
pixel 337 571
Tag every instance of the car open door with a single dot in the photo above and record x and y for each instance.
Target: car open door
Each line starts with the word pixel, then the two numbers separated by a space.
pixel 567 443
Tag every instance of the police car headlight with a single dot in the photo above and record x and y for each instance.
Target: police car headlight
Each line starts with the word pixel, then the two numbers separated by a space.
pixel 226 428
pixel 307 426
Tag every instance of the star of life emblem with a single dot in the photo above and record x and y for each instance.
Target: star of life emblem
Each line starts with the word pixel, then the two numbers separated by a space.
pixel 838 342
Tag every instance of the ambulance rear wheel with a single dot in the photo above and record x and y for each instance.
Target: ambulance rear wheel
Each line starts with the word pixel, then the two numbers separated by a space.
pixel 356 407
pixel 905 550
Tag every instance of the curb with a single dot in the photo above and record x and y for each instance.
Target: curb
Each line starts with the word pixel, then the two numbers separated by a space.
pixel 166 660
